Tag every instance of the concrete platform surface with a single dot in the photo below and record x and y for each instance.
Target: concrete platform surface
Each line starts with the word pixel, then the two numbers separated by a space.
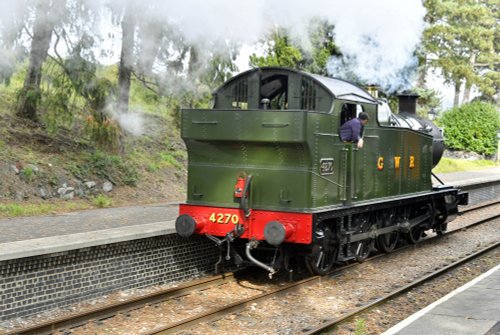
pixel 34 236
pixel 458 179
pixel 27 228
pixel 473 309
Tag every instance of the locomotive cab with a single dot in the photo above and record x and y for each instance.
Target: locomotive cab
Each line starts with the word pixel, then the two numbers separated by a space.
pixel 266 166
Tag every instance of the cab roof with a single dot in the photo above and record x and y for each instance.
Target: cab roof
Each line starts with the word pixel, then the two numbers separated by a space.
pixel 337 88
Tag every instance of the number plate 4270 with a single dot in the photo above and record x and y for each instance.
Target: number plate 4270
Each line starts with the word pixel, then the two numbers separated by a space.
pixel 224 218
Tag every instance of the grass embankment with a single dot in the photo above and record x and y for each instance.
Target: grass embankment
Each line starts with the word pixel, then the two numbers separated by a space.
pixel 148 165
pixel 447 165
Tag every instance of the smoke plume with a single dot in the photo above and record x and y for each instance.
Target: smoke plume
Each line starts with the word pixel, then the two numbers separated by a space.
pixel 376 38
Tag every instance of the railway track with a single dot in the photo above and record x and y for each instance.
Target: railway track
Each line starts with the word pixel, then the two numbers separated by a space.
pixel 480 206
pixel 217 313
pixel 329 325
pixel 108 311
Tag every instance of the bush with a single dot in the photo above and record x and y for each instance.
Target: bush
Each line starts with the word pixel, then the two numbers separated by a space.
pixel 105 165
pixel 28 174
pixel 472 127
pixel 102 201
pixel 113 168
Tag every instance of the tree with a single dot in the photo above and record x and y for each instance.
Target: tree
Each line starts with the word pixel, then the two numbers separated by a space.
pixel 462 41
pixel 125 68
pixel 428 100
pixel 45 18
pixel 323 47
pixel 278 51
pixel 281 50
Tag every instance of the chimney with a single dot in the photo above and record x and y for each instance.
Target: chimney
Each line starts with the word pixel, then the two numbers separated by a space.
pixel 408 103
pixel 373 90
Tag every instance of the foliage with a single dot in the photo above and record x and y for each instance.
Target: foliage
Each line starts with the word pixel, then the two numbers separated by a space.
pixel 472 127
pixel 281 50
pixel 111 167
pixel 103 131
pixel 170 160
pixel 462 39
pixel 323 47
pixel 28 174
pixel 447 165
pixel 102 201
pixel 59 103
pixel 428 100
pixel 278 52
pixel 97 93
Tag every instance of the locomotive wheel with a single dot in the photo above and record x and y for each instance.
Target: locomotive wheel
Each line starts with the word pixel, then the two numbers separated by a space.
pixel 414 235
pixel 363 249
pixel 322 257
pixel 321 260
pixel 387 242
pixel 362 223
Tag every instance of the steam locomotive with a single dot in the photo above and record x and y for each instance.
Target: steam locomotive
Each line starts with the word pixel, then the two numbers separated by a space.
pixel 269 178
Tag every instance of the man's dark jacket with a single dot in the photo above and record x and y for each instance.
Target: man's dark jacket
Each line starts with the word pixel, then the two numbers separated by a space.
pixel 351 131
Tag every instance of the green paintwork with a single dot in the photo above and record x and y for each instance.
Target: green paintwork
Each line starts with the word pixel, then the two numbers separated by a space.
pixel 282 150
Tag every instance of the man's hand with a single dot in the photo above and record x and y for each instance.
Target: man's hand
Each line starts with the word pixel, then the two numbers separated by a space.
pixel 360 143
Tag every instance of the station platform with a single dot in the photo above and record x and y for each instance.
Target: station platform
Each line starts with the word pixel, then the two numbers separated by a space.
pixel 473 309
pixel 40 235
pixel 466 178
pixel 34 236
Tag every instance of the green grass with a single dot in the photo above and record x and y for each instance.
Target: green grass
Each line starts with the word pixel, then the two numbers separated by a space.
pixel 102 201
pixel 456 165
pixel 28 174
pixel 20 209
pixel 360 327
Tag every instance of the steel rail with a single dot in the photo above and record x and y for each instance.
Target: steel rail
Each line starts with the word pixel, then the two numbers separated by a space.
pixel 219 313
pixel 480 206
pixel 111 310
pixel 329 324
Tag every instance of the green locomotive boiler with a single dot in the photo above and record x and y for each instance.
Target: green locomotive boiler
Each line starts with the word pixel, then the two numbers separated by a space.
pixel 269 178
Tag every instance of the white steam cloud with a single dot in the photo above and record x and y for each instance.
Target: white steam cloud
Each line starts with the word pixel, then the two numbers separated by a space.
pixel 377 38
pixel 132 122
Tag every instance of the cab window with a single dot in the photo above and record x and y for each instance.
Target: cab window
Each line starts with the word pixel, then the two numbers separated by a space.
pixel 349 111
pixel 240 94
pixel 273 91
pixel 307 94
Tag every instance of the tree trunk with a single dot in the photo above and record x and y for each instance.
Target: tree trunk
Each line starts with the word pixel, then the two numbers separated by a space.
pixel 467 90
pixel 456 99
pixel 468 82
pixel 194 62
pixel 422 71
pixel 126 59
pixel 30 94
